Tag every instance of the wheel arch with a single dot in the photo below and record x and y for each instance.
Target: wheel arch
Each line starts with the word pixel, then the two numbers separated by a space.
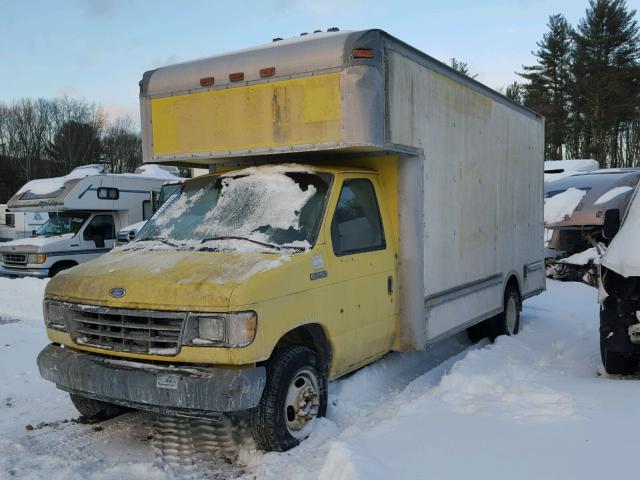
pixel 311 335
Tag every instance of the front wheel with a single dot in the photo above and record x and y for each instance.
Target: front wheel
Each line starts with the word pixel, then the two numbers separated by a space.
pixel 294 395
pixel 95 409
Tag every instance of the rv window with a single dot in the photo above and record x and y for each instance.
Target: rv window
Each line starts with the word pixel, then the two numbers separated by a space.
pixel 356 225
pixel 147 210
pixel 10 220
pixel 100 226
pixel 107 193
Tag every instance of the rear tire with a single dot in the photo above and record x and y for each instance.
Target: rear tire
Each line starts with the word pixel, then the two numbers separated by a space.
pixel 479 331
pixel 508 322
pixel 95 409
pixel 294 395
pixel 616 363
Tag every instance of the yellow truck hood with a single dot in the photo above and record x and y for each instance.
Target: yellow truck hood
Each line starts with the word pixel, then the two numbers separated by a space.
pixel 163 280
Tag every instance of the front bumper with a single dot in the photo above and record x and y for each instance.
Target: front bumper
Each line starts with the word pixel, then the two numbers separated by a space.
pixel 24 272
pixel 190 391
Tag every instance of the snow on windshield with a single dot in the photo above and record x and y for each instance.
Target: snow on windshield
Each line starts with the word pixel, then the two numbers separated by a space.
pixel 611 194
pixel 50 185
pixel 247 203
pixel 559 206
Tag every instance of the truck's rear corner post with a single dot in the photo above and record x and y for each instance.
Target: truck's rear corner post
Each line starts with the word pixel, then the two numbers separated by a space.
pixel 412 334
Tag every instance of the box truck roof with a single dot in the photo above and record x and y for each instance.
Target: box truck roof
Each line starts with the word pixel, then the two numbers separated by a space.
pixel 319 92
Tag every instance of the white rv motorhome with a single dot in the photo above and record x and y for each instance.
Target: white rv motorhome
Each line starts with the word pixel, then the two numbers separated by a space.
pixel 15 225
pixel 86 208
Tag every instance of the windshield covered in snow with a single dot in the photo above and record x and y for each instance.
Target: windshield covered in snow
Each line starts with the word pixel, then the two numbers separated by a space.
pixel 262 208
pixel 62 223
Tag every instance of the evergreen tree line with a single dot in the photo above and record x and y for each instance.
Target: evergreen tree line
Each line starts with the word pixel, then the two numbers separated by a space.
pixel 50 137
pixel 586 83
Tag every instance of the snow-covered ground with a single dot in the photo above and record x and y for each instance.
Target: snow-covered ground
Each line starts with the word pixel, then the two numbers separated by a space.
pixel 533 406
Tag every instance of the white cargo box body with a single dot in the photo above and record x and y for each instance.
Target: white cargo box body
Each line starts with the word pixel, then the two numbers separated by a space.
pixel 469 161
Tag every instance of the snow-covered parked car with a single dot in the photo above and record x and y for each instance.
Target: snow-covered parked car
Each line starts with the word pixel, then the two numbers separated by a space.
pixel 574 217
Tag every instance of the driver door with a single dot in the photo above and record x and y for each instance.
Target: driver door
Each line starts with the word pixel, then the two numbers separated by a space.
pixel 362 265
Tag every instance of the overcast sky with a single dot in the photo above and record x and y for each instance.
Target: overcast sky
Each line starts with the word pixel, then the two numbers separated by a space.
pixel 99 49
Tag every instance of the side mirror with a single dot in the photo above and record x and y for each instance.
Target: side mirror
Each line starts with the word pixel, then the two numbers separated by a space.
pixel 611 223
pixel 99 241
pixel 33 233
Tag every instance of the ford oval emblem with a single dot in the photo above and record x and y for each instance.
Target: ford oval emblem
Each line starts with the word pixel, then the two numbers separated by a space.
pixel 117 292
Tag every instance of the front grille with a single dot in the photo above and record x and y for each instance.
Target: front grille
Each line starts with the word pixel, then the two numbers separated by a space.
pixel 124 330
pixel 14 258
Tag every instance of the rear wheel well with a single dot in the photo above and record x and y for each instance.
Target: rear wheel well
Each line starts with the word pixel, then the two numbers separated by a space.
pixel 513 282
pixel 61 265
pixel 311 335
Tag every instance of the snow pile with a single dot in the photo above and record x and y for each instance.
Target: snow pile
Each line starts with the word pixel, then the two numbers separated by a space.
pixel 611 194
pixel 557 169
pixel 156 171
pixel 50 185
pixel 623 255
pixel 562 205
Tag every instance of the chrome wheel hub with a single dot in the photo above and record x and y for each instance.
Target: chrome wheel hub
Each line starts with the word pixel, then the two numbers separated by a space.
pixel 302 402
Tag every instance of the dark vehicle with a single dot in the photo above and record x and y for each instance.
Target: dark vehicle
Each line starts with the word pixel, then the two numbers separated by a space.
pixel 574 243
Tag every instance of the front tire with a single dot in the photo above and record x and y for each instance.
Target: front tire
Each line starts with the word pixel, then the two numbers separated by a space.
pixel 294 395
pixel 95 409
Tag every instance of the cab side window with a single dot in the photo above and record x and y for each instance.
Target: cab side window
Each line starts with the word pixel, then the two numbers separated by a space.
pixel 100 226
pixel 357 224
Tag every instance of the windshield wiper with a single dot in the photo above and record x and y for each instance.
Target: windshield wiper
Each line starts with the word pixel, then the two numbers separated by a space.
pixel 257 242
pixel 162 240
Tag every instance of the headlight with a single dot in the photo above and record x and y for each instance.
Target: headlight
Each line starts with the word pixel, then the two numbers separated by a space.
pixel 54 315
pixel 36 258
pixel 236 329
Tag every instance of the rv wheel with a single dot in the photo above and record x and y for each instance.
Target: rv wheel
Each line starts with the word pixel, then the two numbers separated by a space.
pixel 294 395
pixel 616 363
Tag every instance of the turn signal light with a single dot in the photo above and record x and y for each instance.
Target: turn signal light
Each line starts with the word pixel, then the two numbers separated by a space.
pixel 267 72
pixel 236 77
pixel 207 81
pixel 362 53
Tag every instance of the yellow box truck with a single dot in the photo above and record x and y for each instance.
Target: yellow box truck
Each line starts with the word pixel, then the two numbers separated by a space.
pixel 363 198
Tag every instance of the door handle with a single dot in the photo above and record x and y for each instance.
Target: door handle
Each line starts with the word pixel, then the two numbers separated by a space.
pixel 390 284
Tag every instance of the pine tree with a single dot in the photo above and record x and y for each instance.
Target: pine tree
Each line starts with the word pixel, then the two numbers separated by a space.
pixel 462 67
pixel 550 84
pixel 607 51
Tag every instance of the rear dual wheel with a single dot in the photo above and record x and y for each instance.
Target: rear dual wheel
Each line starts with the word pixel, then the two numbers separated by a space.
pixel 505 323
